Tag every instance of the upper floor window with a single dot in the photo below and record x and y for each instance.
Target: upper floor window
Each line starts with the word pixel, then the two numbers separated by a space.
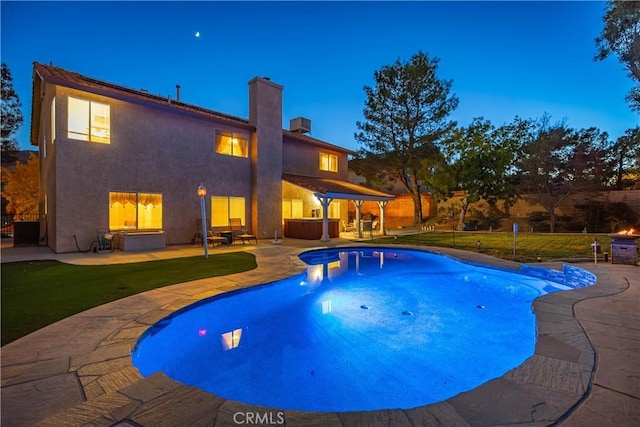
pixel 89 121
pixel 328 162
pixel 232 144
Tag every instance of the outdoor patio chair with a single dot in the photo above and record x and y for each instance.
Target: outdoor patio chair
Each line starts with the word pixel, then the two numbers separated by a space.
pixel 216 238
pixel 348 227
pixel 239 232
pixel 198 234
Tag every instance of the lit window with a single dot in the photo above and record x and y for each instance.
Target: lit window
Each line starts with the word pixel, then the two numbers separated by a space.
pixel 334 209
pixel 131 211
pixel 149 211
pixel 53 120
pixel 89 121
pixel 232 144
pixel 223 208
pixel 291 208
pixel 328 162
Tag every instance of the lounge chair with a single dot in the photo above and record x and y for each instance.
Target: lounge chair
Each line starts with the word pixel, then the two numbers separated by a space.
pixel 348 227
pixel 239 232
pixel 214 239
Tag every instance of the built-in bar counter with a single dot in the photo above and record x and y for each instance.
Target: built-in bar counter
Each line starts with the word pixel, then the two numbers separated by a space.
pixel 309 228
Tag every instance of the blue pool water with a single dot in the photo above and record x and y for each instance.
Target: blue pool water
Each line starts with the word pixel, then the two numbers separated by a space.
pixel 361 329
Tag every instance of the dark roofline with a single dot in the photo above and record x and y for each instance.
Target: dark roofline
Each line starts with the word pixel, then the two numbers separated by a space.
pixel 36 101
pixel 61 77
pixel 317 142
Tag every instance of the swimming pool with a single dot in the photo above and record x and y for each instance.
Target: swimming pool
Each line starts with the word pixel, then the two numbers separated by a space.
pixel 361 329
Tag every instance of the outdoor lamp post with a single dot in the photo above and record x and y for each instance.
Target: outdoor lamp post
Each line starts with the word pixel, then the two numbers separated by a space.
pixel 202 191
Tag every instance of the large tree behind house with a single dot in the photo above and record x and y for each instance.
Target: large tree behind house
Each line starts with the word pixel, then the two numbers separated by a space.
pixel 625 160
pixel 21 186
pixel 406 117
pixel 479 161
pixel 558 161
pixel 621 35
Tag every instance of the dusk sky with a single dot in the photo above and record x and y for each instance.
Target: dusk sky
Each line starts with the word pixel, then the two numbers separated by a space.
pixel 506 59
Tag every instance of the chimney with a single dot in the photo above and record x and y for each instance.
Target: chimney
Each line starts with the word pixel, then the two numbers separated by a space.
pixel 265 113
pixel 177 92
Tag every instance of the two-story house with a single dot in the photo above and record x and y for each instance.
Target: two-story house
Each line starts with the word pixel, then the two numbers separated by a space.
pixel 127 160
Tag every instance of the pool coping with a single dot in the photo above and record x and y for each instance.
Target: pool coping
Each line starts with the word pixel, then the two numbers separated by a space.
pixel 544 390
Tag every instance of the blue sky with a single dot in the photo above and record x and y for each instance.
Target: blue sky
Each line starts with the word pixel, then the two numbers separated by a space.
pixel 505 58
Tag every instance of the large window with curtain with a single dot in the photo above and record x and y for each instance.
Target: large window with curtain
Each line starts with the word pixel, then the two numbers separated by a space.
pixel 232 144
pixel 88 121
pixel 135 211
pixel 225 207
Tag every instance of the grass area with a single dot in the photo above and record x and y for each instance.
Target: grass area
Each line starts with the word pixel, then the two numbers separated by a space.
pixel 529 246
pixel 38 293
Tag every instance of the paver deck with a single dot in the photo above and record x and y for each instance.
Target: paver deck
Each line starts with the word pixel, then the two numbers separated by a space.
pixel 585 370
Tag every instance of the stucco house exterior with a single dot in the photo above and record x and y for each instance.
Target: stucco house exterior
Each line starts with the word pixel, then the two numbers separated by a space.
pixel 129 161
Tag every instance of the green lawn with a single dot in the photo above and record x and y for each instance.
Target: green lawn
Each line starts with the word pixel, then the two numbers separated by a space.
pixel 529 246
pixel 38 293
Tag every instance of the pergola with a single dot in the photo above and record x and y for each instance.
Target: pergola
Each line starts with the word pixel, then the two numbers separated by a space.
pixel 328 190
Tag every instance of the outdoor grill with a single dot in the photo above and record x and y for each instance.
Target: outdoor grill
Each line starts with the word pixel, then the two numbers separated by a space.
pixel 624 249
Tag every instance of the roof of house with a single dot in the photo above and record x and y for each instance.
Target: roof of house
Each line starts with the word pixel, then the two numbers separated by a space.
pixel 61 77
pixel 317 142
pixel 336 189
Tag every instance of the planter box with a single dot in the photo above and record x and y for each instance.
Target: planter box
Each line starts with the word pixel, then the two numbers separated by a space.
pixel 138 240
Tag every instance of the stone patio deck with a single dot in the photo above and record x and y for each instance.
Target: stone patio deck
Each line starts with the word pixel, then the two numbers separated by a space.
pixel 585 370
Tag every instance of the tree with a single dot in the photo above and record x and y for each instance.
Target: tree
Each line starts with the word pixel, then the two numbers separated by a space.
pixel 589 167
pixel 621 35
pixel 11 116
pixel 479 160
pixel 405 120
pixel 603 216
pixel 625 159
pixel 559 161
pixel 21 186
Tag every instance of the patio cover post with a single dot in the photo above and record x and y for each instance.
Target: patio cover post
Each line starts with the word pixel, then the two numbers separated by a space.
pixel 382 204
pixel 358 204
pixel 325 202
